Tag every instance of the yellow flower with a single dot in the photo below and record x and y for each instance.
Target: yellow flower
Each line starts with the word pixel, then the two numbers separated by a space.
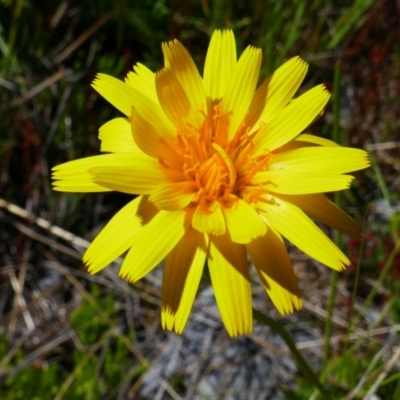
pixel 223 172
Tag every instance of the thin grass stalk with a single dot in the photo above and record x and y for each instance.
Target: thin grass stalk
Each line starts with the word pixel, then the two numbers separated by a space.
pixel 385 192
pixel 380 279
pixel 219 8
pixel 354 16
pixel 91 352
pixel 353 301
pixel 337 238
pixel 295 28
pixel 12 36
pixel 361 340
pixel 384 312
pixel 397 390
pixel 369 299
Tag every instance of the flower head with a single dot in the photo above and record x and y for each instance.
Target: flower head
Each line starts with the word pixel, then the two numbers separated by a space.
pixel 222 171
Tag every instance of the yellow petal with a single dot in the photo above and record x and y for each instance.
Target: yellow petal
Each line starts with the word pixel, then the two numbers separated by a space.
pixel 220 62
pixel 116 92
pixel 116 136
pixel 174 101
pixel 302 182
pixel 123 96
pixel 320 207
pixel 118 235
pixel 143 80
pixel 79 184
pixel 210 220
pixel 243 222
pixel 257 106
pixel 182 273
pixel 151 111
pixel 336 160
pixel 291 222
pixel 240 89
pixel 275 270
pixel 307 138
pixel 179 61
pixel 154 242
pixel 284 83
pixel 173 196
pixel 73 176
pixel 146 75
pixel 229 273
pixel 136 174
pixel 291 121
pixel 150 139
pixel 276 92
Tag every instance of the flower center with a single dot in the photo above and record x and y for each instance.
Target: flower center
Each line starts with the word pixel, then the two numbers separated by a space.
pixel 218 168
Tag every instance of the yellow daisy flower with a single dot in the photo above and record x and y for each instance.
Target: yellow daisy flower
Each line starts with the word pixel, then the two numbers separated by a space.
pixel 222 171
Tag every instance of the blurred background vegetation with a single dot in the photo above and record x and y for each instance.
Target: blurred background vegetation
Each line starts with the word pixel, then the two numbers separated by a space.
pixel 67 335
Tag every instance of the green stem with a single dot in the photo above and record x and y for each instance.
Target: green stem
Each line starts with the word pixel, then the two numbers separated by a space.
pixel 302 364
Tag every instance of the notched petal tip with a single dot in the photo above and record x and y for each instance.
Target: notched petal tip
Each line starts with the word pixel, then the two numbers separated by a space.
pixel 300 60
pixel 169 43
pixel 295 304
pixel 120 94
pixel 255 49
pixel 126 277
pixel 163 71
pixel 239 330
pixel 367 160
pixel 169 323
pixel 89 264
pixel 96 79
pixel 318 90
pixel 99 77
pixel 89 268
